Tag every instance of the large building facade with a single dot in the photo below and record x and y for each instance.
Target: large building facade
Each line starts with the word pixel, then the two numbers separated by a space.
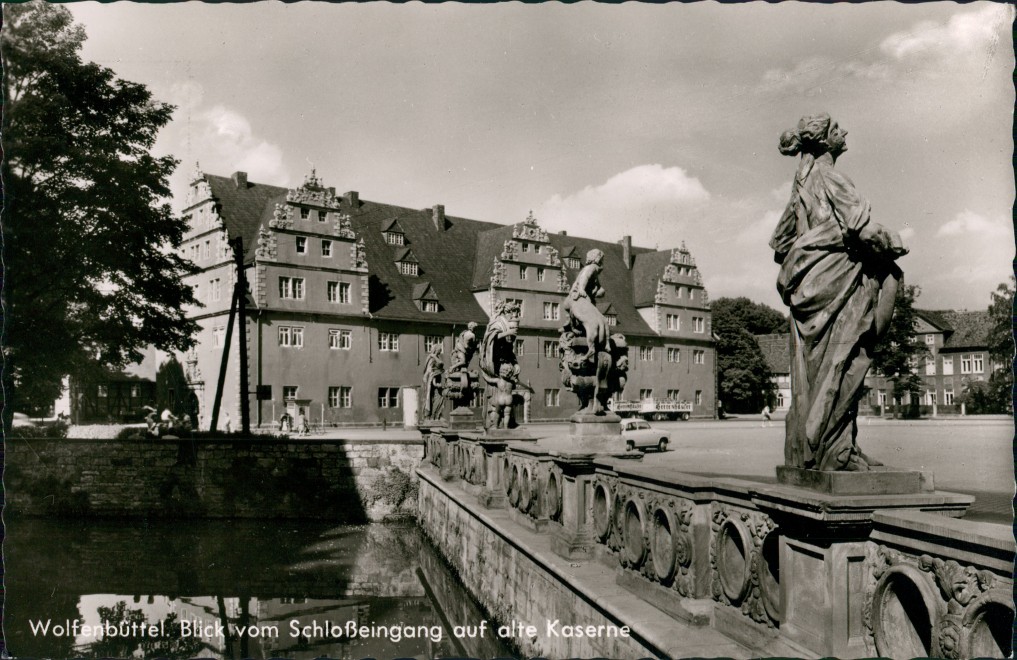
pixel 346 297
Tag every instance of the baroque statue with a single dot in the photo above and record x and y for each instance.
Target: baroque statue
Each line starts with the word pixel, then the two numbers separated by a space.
pixel 839 278
pixel 433 385
pixel 460 382
pixel 499 365
pixel 592 363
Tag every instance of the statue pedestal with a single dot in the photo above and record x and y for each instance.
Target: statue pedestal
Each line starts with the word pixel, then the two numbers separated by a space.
pixel 822 547
pixel 463 419
pixel 598 434
pixel 879 480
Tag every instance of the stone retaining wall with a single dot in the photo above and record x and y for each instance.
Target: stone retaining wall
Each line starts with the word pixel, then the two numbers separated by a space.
pixel 349 481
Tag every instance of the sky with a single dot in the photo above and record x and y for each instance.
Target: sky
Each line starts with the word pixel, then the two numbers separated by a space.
pixel 655 121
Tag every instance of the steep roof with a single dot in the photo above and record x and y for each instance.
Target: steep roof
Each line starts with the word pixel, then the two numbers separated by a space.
pixel 964 330
pixel 647 269
pixel 776 349
pixel 243 207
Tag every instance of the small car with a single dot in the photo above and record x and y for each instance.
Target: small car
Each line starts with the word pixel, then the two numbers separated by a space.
pixel 638 434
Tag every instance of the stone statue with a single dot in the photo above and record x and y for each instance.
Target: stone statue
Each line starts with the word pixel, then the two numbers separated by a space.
pixel 433 385
pixel 460 382
pixel 839 278
pixel 592 364
pixel 499 365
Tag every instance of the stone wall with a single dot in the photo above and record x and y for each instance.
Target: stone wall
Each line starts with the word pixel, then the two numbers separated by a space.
pixel 349 481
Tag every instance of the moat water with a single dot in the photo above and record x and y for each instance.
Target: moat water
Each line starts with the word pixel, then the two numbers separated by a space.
pixel 233 589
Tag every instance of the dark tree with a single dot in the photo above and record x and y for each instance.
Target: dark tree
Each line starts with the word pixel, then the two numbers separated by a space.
pixel 744 378
pixel 91 272
pixel 901 350
pixel 756 318
pixel 1001 348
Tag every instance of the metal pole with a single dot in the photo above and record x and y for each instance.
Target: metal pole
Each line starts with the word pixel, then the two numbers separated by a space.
pixel 241 297
pixel 222 365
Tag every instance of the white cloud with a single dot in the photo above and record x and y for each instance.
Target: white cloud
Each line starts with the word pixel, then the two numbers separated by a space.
pixel 971 224
pixel 228 139
pixel 655 196
pixel 970 33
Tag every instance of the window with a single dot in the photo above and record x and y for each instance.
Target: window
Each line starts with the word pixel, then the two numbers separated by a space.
pixel 520 348
pixel 409 268
pixel 646 353
pixel 540 274
pixel 218 336
pixel 572 262
pixel 102 391
pixel 393 238
pixel 197 292
pixel 930 366
pixel 388 341
pixel 340 340
pixel 525 247
pixel 430 341
pixel 208 249
pixel 429 306
pixel 291 287
pixel 551 398
pixel 674 355
pixel 291 337
pixel 551 311
pixel 680 290
pixel 698 357
pixel 930 339
pixel 326 248
pixel 948 366
pixel 698 324
pixel 289 392
pixel 536 249
pixel 522 272
pixel 215 287
pixel 338 292
pixel 965 364
pixel 699 397
pixel 612 319
pixel 551 349
pixel 692 294
pixel 301 245
pixel 645 394
pixel 930 398
pixel 977 363
pixel 322 216
pixel 340 397
pixel 674 395
pixel 948 398
pixel 135 391
pixel 388 397
pixel 304 213
pixel 674 322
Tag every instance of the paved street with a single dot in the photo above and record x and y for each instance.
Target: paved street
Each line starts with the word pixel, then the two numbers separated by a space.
pixel 970 455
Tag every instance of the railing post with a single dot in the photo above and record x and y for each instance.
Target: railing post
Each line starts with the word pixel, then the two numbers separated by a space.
pixel 574 537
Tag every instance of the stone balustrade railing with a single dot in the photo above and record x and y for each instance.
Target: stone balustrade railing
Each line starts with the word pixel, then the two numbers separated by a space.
pixel 773 567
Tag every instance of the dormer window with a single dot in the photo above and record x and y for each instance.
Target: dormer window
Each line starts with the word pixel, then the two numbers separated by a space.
pixel 394 238
pixel 426 298
pixel 612 319
pixel 304 213
pixel 429 306
pixel 572 262
pixel 408 268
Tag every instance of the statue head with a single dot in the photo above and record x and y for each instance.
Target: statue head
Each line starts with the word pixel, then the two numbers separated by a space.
pixel 595 256
pixel 471 326
pixel 816 134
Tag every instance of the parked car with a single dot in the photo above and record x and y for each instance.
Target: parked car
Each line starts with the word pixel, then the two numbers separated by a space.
pixel 638 434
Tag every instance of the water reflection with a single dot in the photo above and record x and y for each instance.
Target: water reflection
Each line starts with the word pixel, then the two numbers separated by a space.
pixel 232 589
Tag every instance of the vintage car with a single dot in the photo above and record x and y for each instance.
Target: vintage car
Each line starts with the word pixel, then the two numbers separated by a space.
pixel 638 434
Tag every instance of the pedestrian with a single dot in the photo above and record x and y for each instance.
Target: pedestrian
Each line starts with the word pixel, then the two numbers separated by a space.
pixel 301 425
pixel 228 426
pixel 766 416
pixel 284 423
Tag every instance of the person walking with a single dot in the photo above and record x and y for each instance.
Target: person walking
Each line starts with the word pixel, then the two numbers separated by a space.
pixel 766 416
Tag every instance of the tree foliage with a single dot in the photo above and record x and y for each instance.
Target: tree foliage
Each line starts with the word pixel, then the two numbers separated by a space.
pixel 744 377
pixel 899 352
pixel 1001 350
pixel 91 277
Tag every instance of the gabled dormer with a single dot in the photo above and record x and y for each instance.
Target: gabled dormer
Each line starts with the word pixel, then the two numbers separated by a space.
pixel 609 312
pixel 425 298
pixel 571 258
pixel 312 201
pixel 406 262
pixel 393 232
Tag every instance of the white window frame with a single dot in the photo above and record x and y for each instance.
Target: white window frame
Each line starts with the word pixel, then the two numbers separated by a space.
pixel 947 365
pixel 551 349
pixel 395 238
pixel 698 324
pixel 552 311
pixel 699 397
pixel 322 216
pixel 674 322
pixel 301 242
pixel 646 353
pixel 552 398
pixel 430 341
pixel 388 342
pixel 305 214
pixel 674 355
pixel 338 293
pixel 966 364
pixel 326 248
pixel 930 366
pixel 294 389
pixel 429 306
pixel 522 272
pixel 409 268
pixel 674 395
pixel 977 363
pixel 388 400
pixel 540 274
pixel 698 356
pixel 645 393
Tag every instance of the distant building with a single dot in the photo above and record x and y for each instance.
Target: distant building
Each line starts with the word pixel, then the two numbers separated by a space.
pixel 115 396
pixel 958 354
pixel 776 350
pixel 347 296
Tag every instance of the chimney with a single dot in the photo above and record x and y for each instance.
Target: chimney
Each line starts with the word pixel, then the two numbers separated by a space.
pixel 353 198
pixel 240 179
pixel 438 216
pixel 626 243
pixel 563 233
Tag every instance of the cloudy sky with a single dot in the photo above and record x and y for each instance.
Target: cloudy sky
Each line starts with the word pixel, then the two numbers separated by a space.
pixel 659 121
